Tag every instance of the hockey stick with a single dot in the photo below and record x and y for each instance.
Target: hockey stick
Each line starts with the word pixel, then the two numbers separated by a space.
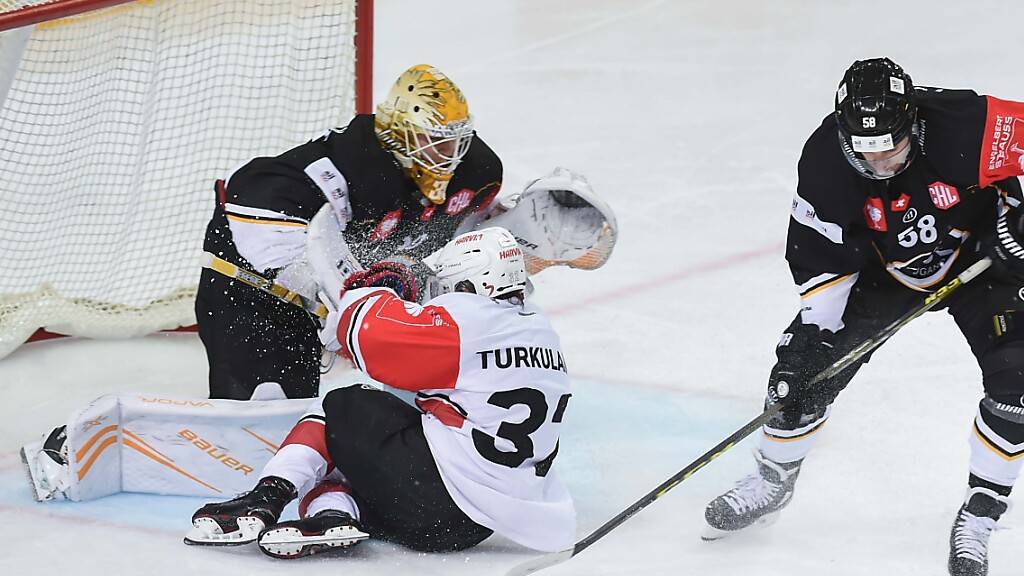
pixel 547 560
pixel 260 283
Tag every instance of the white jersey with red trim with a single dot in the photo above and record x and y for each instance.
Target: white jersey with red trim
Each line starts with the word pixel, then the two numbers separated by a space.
pixel 493 385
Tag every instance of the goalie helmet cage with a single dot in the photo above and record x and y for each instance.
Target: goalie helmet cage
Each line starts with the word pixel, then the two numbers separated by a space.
pixel 116 118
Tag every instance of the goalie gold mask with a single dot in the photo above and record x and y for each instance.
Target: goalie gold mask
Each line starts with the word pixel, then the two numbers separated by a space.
pixel 425 123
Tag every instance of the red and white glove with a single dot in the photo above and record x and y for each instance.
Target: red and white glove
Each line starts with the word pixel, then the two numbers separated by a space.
pixel 385 274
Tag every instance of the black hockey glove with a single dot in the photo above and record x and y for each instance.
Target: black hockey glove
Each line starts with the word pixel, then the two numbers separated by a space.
pixel 386 274
pixel 1004 244
pixel 803 352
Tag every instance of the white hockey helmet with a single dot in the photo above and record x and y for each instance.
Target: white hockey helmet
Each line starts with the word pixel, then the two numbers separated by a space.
pixel 488 262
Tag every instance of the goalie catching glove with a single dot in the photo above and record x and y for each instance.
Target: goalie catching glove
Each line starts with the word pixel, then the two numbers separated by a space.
pixel 559 220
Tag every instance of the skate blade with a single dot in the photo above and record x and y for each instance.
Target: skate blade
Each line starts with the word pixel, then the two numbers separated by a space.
pixel 711 534
pixel 207 532
pixel 32 472
pixel 289 542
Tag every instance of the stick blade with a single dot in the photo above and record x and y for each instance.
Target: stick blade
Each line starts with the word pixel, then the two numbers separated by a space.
pixel 539 563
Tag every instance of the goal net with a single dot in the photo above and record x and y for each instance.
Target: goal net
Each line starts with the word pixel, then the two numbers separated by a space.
pixel 116 118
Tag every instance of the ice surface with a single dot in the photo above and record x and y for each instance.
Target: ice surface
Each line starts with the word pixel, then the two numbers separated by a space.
pixel 688 116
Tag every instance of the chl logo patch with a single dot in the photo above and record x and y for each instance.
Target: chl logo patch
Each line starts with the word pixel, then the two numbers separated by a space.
pixel 458 202
pixel 944 196
pixel 874 214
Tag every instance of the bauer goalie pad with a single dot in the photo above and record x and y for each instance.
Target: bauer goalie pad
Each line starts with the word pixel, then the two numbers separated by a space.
pixel 159 444
pixel 559 220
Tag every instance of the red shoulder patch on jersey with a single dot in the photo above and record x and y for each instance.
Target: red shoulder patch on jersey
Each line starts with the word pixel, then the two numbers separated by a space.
pixel 944 196
pixel 900 204
pixel 386 225
pixel 874 215
pixel 1002 144
pixel 401 343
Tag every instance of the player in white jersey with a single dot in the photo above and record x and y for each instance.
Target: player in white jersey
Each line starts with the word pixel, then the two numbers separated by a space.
pixel 474 457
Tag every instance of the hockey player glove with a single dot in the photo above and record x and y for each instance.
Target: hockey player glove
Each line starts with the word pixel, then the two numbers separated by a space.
pixel 804 351
pixel 385 274
pixel 1004 244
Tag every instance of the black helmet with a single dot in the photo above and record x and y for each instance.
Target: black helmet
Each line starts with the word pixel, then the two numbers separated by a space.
pixel 875 111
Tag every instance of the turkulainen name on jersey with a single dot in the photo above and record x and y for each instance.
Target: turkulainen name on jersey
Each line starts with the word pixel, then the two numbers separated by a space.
pixel 523 357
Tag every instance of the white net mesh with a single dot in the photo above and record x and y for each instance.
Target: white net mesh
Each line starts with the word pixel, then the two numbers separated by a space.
pixel 114 127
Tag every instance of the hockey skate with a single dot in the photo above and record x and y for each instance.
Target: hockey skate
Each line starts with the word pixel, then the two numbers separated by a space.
pixel 328 529
pixel 241 520
pixel 755 500
pixel 968 540
pixel 46 462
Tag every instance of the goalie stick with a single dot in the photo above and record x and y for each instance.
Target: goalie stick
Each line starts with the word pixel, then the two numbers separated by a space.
pixel 547 560
pixel 276 290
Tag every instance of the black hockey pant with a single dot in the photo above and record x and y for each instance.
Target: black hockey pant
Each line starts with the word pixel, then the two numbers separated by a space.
pixel 990 315
pixel 376 440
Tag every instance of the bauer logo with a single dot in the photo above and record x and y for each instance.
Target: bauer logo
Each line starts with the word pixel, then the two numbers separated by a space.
pixel 90 424
pixel 214 452
pixel 944 196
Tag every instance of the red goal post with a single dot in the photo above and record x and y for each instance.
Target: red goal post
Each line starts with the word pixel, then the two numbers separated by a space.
pixel 116 117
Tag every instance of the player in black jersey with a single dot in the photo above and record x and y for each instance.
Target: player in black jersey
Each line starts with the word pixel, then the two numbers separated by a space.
pixel 399 183
pixel 395 186
pixel 900 189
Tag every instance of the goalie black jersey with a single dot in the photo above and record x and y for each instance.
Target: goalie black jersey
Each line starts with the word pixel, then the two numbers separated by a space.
pixel 270 200
pixel 917 224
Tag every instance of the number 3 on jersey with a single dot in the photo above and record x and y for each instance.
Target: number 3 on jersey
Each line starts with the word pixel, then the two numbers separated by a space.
pixel 518 433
